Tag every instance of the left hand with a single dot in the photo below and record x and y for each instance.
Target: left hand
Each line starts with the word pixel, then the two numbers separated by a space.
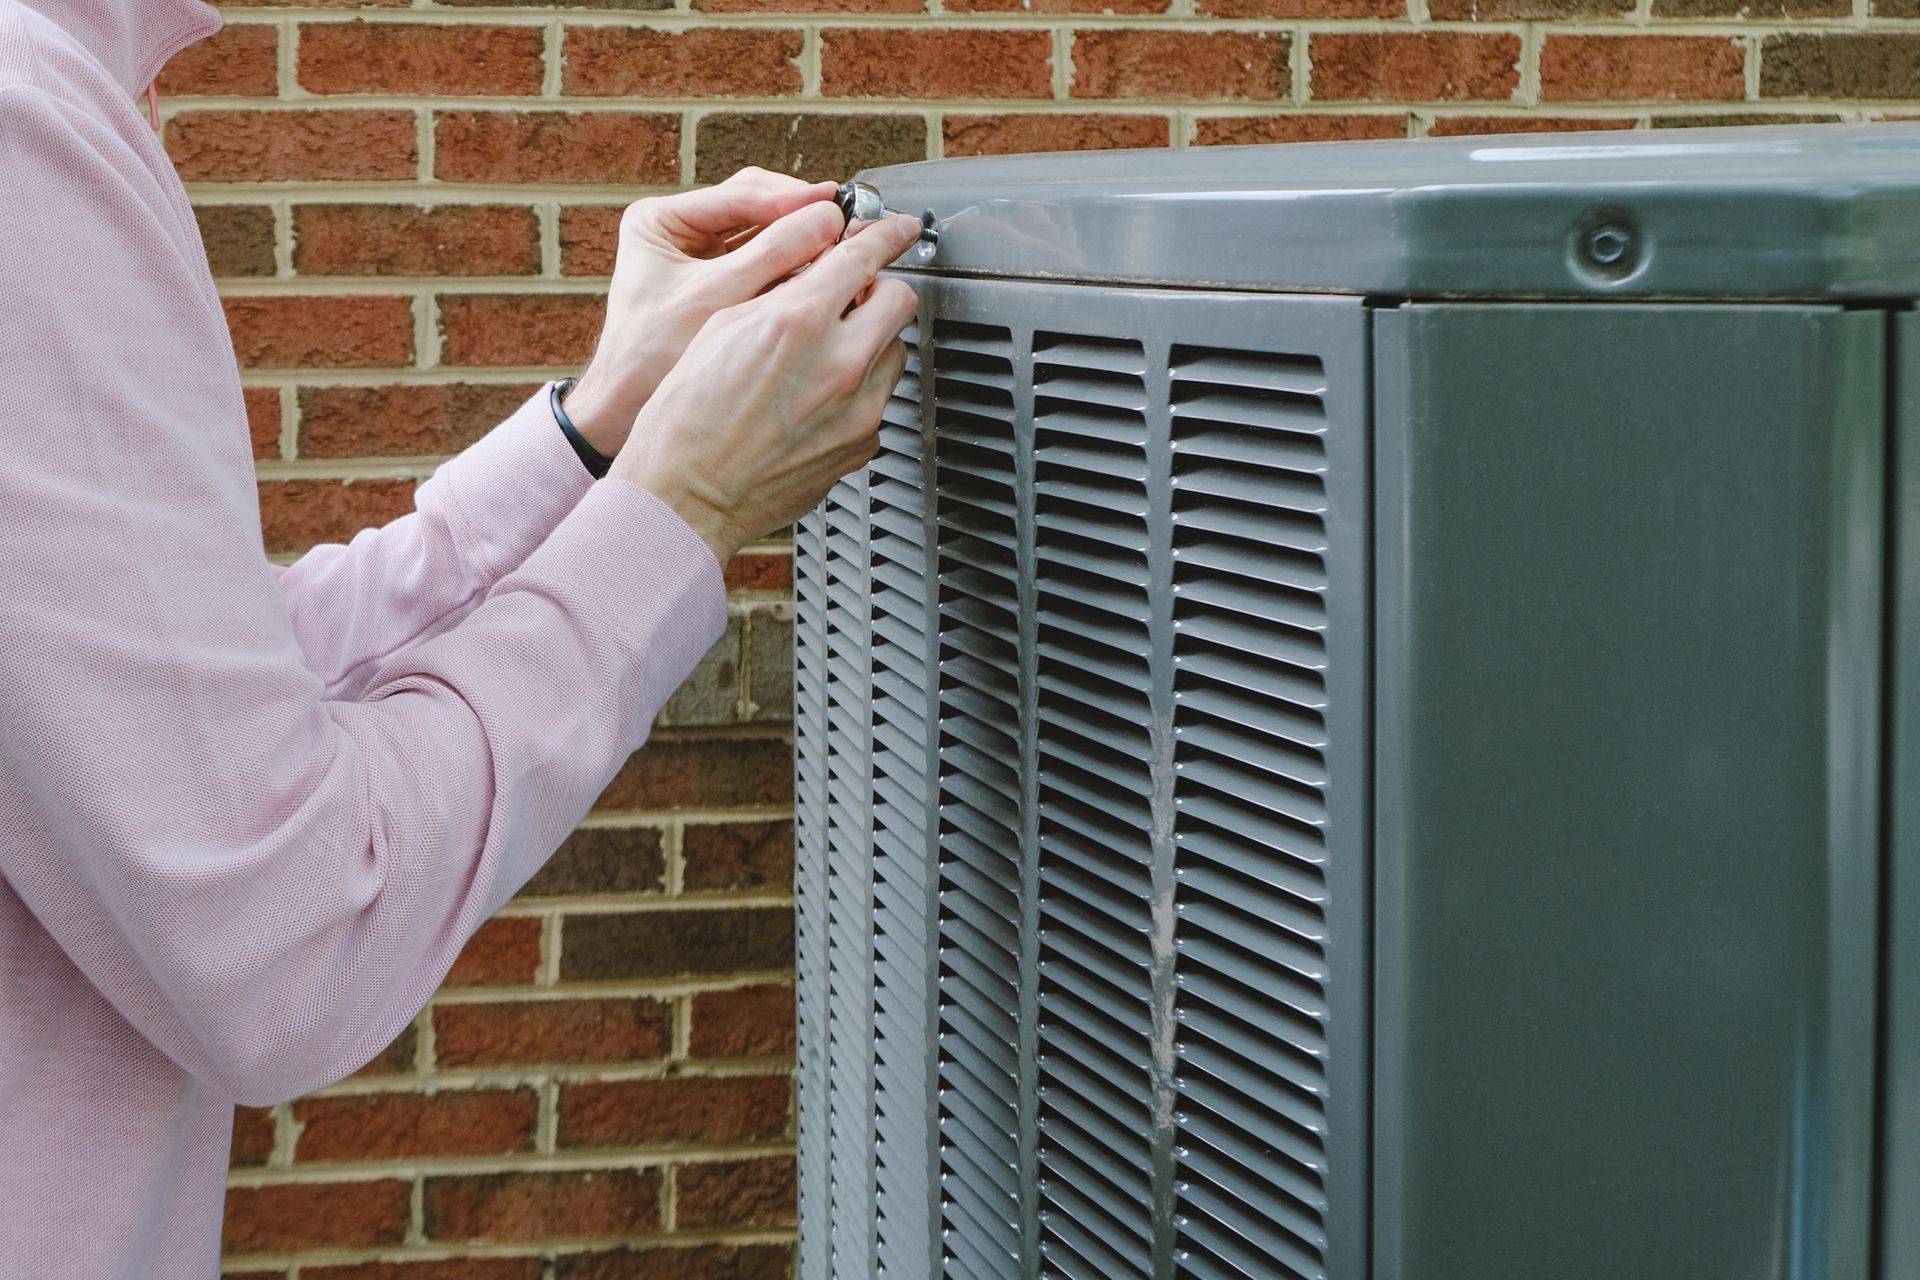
pixel 680 259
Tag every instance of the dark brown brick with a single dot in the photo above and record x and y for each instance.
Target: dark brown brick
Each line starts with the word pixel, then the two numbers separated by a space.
pixel 1526 10
pixel 402 420
pixel 1742 118
pixel 1222 131
pixel 736 1193
pixel 315 1215
pixel 415 240
pixel 1301 8
pixel 745 1022
pixel 434 1269
pixel 738 855
pixel 602 860
pixel 604 946
pixel 525 1032
pixel 705 773
pixel 999 135
pixel 545 1207
pixel 680 1110
pixel 809 146
pixel 1871 67
pixel 1758 9
pixel 1459 126
pixel 701 1262
pixel 253 1136
pixel 504 951
pixel 238 238
pixel 397 1058
pixel 406 1126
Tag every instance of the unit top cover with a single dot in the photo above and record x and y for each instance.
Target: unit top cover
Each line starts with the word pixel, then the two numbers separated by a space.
pixel 1806 212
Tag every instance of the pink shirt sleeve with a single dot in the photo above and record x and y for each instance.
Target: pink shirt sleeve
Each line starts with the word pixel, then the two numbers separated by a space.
pixel 265 840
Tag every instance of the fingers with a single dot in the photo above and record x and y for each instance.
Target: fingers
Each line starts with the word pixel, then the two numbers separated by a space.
pixel 783 248
pixel 879 319
pixel 751 197
pixel 839 276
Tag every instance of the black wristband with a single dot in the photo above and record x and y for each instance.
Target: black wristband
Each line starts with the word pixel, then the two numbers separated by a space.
pixel 592 459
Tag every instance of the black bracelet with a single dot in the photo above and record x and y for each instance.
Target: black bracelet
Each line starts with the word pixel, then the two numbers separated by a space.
pixel 591 458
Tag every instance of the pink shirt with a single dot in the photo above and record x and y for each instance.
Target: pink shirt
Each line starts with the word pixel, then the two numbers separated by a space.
pixel 248 816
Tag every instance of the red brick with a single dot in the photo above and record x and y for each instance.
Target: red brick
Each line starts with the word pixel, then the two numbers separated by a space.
pixel 589 238
pixel 1056 6
pixel 745 1022
pixel 438 1269
pixel 403 420
pixel 675 1110
pixel 711 62
pixel 543 1207
pixel 736 1193
pixel 700 1262
pixel 1456 126
pixel 760 571
pixel 557 147
pixel 611 946
pixel 263 420
pixel 240 61
pixel 504 951
pixel 1302 8
pixel 524 1032
pixel 1438 66
pixel 289 146
pixel 738 855
pixel 316 1215
pixel 396 1059
pixel 875 62
pixel 704 773
pixel 253 1136
pixel 1012 134
pixel 416 240
pixel 1219 131
pixel 493 329
pixel 1642 68
pixel 404 1126
pixel 1526 10
pixel 320 332
pixel 419 58
pixel 296 515
pixel 1197 66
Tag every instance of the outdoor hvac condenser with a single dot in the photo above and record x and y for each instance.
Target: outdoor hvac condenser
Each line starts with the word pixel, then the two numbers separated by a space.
pixel 1365 722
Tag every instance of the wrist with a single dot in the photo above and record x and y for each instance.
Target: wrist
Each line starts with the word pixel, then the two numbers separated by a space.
pixel 707 520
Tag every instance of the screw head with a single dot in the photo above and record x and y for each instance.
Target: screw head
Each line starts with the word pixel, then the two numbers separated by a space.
pixel 1608 245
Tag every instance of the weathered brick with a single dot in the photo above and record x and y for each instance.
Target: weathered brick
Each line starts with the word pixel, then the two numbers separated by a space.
pixel 1757 9
pixel 602 860
pixel 589 238
pixel 253 1136
pixel 317 4
pixel 1200 66
pixel 1233 131
pixel 1895 9
pixel 544 1206
pixel 1866 67
pixel 744 1022
pixel 1457 126
pixel 603 946
pixel 419 58
pixel 406 1126
pixel 736 1193
pixel 1301 8
pixel 503 951
pixel 321 332
pixel 320 1215
pixel 240 61
pixel 1742 118
pixel 1642 69
pixel 760 571
pixel 711 693
pixel 706 773
pixel 415 240
pixel 397 1058
pixel 238 238
pixel 296 515
pixel 770 665
pixel 495 329
pixel 1435 66
pixel 676 1110
pixel 738 855
pixel 431 1269
pixel 809 6
pixel 236 145
pixel 879 62
pixel 263 420
pixel 629 6
pixel 700 1262
pixel 710 62
pixel 1056 6
pixel 402 420
pixel 967 135
pixel 526 1032
pixel 813 147
pixel 557 147
pixel 1526 10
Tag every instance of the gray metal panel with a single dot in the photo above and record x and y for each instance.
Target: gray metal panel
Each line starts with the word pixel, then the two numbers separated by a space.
pixel 1803 212
pixel 1148 795
pixel 1627 672
pixel 1900 1114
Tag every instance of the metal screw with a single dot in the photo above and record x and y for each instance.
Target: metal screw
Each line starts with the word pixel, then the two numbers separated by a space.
pixel 1607 246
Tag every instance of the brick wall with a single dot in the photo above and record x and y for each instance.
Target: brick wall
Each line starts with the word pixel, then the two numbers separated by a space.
pixel 410 209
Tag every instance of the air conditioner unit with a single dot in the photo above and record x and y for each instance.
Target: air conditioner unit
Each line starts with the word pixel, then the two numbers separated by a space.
pixel 1363 722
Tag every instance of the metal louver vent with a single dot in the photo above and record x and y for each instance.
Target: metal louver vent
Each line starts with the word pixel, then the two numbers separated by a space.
pixel 1081 740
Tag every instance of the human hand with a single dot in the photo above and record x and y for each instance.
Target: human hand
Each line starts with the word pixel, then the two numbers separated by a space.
pixel 778 397
pixel 680 259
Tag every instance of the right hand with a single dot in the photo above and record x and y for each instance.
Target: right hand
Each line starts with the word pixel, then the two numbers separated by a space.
pixel 779 397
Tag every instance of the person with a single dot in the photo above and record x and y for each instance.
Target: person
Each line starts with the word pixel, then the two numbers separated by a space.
pixel 249 814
